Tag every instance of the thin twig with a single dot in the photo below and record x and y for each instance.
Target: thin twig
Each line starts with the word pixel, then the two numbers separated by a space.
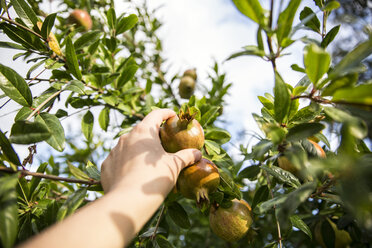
pixel 277 222
pixel 5 103
pixel 42 105
pixel 158 222
pixel 23 27
pixel 269 40
pixel 51 177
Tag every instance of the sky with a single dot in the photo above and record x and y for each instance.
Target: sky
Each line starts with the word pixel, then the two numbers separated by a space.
pixel 194 34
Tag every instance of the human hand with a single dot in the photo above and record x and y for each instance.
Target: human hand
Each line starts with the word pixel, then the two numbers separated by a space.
pixel 139 159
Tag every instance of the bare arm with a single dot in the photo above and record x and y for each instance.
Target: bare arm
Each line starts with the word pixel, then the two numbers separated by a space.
pixel 136 176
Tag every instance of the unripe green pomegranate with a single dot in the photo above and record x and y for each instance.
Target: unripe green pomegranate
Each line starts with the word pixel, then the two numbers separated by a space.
pixel 231 224
pixel 181 132
pixel 186 87
pixel 198 180
pixel 81 18
pixel 191 73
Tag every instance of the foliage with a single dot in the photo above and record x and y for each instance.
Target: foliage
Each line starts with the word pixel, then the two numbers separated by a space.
pixel 116 72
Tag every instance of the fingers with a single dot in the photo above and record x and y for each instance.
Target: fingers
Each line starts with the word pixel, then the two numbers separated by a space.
pixel 156 117
pixel 187 157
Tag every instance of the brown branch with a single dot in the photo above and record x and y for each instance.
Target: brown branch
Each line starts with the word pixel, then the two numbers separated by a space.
pixel 42 105
pixel 23 27
pixel 324 187
pixel 51 177
pixel 269 40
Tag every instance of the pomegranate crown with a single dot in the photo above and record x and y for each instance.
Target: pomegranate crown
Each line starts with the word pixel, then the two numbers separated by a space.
pixel 186 115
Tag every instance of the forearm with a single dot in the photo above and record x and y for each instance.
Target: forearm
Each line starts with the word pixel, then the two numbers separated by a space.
pixel 111 221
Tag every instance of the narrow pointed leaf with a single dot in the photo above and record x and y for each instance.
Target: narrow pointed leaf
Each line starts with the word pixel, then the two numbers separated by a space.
pixel 14 86
pixel 76 172
pixel 317 62
pixel 8 210
pixel 25 12
pixel 179 215
pixel 36 180
pixel 300 224
pixel 208 116
pixel 71 204
pixel 126 23
pixel 282 175
pixel 26 132
pixel 252 9
pixel 48 25
pixel 313 23
pixel 304 130
pixel 330 36
pixel 282 99
pixel 87 39
pixel 352 60
pixel 104 118
pixel 87 125
pixel 92 171
pixel 57 138
pixel 285 20
pixel 8 150
pixel 71 59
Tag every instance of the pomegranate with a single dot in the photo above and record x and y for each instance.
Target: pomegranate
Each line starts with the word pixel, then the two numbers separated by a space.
pixel 198 180
pixel 232 223
pixel 180 132
pixel 186 87
pixel 191 73
pixel 285 164
pixel 81 18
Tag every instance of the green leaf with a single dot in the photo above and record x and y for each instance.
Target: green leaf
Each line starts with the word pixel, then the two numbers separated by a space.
pixel 126 23
pixel 87 39
pixel 71 59
pixel 104 118
pixel 26 132
pixel 36 180
pixel 250 172
pixel 229 186
pixel 161 242
pixel 57 138
pixel 8 150
pixel 296 67
pixel 331 6
pixel 72 203
pixel 260 43
pixel 14 86
pixel 127 74
pixel 252 9
pixel 19 35
pixel 282 100
pixel 48 25
pixel 304 130
pixel 212 147
pixel 249 50
pixel 263 207
pixel 262 194
pixel 11 45
pixel 25 12
pixel 300 224
pixel 209 115
pixel 179 215
pixel 8 210
pixel 285 20
pixel 361 94
pixel 111 18
pixel 294 199
pixel 330 36
pixel 218 135
pixel 76 86
pixel 93 171
pixel 76 172
pixel 274 132
pixel 87 125
pixel 261 148
pixel 352 60
pixel 346 81
pixel 317 62
pixel 312 23
pixel 282 175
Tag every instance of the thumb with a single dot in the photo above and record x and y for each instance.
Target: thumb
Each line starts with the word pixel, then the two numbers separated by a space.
pixel 187 157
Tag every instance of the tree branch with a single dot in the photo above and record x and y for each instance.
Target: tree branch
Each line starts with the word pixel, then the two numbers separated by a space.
pixel 23 27
pixel 42 105
pixel 158 222
pixel 51 177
